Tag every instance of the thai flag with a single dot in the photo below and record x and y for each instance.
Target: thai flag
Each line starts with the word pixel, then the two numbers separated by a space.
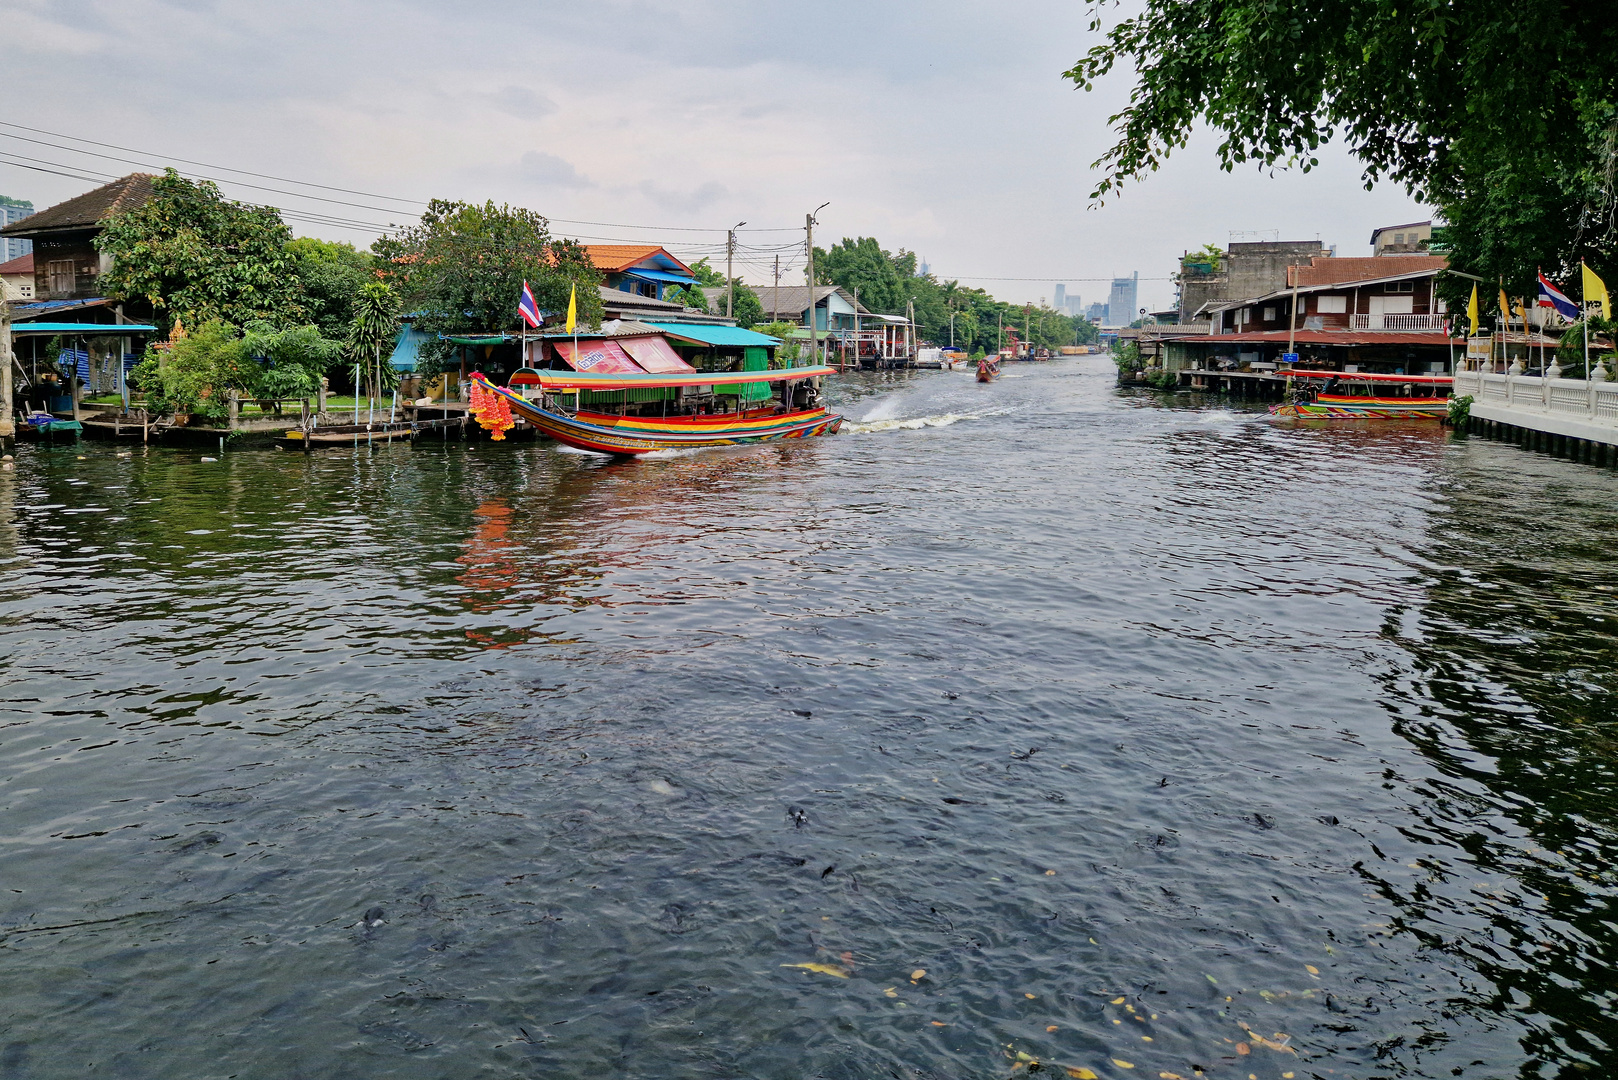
pixel 1552 297
pixel 528 309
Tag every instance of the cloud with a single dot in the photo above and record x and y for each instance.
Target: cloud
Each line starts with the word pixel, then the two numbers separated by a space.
pixel 523 102
pixel 685 202
pixel 547 170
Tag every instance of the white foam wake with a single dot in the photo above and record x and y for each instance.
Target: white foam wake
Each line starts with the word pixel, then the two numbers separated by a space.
pixel 914 423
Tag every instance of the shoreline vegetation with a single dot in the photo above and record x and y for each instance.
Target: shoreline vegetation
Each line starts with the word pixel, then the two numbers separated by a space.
pixel 244 309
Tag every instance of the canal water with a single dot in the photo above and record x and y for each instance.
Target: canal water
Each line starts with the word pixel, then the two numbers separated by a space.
pixel 1037 727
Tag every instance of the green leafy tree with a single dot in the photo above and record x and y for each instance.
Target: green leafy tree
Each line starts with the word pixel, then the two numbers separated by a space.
pixel 330 275
pixel 788 349
pixel 692 296
pixel 864 266
pixel 295 359
pixel 746 308
pixel 460 271
pixel 1504 116
pixel 198 372
pixel 195 256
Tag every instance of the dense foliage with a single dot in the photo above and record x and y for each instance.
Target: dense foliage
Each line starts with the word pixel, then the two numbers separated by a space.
pixel 331 276
pixel 371 335
pixel 1504 116
pixel 195 256
pixel 200 371
pixel 888 282
pixel 460 271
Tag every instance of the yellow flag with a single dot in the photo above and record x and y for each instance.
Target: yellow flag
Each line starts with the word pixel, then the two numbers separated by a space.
pixel 572 309
pixel 1472 311
pixel 1505 307
pixel 1596 290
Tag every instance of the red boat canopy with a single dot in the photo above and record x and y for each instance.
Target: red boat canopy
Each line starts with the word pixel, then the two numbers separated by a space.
pixel 1355 376
pixel 595 380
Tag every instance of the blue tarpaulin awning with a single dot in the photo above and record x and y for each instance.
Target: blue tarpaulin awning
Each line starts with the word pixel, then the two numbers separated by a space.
pixel 708 334
pixel 661 275
pixel 407 348
pixel 73 329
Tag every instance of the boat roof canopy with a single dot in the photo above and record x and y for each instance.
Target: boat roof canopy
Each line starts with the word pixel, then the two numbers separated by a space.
pixel 591 380
pixel 1354 376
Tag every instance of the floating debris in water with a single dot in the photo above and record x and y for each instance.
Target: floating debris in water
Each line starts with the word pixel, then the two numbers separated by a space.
pixel 823 969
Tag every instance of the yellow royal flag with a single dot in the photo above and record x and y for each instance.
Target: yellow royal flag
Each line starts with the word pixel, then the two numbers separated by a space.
pixel 1596 290
pixel 1505 307
pixel 572 308
pixel 1472 311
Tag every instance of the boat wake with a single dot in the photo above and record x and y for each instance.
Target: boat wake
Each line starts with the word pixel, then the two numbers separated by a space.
pixel 855 427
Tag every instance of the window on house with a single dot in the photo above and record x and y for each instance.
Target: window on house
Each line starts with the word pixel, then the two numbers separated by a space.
pixel 1398 238
pixel 1269 314
pixel 1400 286
pixel 1331 305
pixel 60 272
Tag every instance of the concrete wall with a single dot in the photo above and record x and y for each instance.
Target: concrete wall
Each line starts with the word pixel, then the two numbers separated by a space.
pixel 1259 268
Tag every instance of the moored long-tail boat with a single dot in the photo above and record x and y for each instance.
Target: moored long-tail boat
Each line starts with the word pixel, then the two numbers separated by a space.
pixel 1366 405
pixel 621 432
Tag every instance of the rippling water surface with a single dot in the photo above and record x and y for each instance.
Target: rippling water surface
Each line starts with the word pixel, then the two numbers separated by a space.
pixel 1036 721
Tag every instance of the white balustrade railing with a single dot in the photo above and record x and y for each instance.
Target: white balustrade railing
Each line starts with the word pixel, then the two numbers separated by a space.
pixel 1396 322
pixel 1576 398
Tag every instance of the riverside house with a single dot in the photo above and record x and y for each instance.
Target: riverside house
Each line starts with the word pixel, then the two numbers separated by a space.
pixel 1378 314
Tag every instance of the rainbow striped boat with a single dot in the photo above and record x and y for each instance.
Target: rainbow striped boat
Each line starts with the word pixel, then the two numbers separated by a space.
pixel 1367 405
pixel 620 433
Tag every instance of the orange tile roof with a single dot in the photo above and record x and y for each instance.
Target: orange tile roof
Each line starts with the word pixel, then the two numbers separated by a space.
pixel 22 264
pixel 1336 271
pixel 612 258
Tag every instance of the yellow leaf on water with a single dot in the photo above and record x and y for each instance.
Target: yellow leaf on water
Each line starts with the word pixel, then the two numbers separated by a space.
pixel 824 969
pixel 1023 1055
pixel 891 992
pixel 1030 996
pixel 1243 1048
pixel 1311 969
pixel 1171 1076
pixel 1050 873
pixel 937 1024
pixel 1286 1076
pixel 1123 1064
pixel 1117 1001
pixel 1082 1074
pixel 1051 1028
pixel 917 974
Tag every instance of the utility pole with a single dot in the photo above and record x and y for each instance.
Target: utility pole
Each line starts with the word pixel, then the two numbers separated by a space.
pixel 730 272
pixel 775 299
pixel 910 330
pixel 8 429
pixel 856 326
pixel 809 242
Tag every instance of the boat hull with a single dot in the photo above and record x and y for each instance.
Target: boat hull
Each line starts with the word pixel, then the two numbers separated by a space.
pixel 1345 407
pixel 606 433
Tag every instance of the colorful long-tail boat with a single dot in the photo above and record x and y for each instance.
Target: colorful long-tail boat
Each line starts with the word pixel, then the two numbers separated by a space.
pixel 1367 405
pixel 606 430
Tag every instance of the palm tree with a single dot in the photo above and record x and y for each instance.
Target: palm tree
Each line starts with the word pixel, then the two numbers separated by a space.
pixel 376 321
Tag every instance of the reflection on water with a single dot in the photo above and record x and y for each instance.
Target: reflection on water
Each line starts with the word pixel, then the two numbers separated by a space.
pixel 1124 733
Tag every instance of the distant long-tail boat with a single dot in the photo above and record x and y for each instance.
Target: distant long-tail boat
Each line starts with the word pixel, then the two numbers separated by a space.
pixel 608 429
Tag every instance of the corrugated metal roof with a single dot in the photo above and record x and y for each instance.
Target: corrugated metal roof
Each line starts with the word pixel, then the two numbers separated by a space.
pixel 708 334
pixel 658 275
pixel 1328 337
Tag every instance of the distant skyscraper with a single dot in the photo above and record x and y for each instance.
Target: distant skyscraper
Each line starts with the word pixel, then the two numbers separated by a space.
pixel 1075 306
pixel 1097 313
pixel 1121 303
pixel 1059 298
pixel 14 210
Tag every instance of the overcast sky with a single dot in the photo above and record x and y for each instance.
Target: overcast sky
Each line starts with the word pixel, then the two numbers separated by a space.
pixel 942 127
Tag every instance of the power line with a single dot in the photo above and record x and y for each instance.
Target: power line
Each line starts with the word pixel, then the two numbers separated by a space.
pixel 307 183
